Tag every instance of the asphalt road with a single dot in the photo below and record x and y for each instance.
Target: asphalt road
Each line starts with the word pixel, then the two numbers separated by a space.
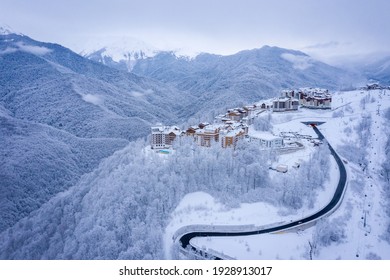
pixel 337 197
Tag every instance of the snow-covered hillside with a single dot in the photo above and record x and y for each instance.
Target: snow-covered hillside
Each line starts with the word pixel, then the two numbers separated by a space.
pixel 37 161
pixel 61 114
pixel 126 207
pixel 359 131
pixel 50 84
pixel 378 70
pixel 221 82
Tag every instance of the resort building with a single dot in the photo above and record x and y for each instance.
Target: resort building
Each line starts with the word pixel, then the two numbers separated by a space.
pixel 230 135
pixel 283 104
pixel 207 135
pixel 163 136
pixel 266 139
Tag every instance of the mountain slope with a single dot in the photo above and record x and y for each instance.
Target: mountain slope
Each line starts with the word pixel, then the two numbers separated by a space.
pixel 218 82
pixel 225 81
pixel 38 161
pixel 50 84
pixel 61 114
pixel 379 71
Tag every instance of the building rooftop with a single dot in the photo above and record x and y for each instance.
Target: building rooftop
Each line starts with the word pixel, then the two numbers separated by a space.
pixel 166 129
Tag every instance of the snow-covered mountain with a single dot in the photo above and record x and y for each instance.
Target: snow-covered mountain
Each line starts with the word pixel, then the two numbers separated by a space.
pixel 50 84
pixel 61 114
pixel 378 70
pixel 225 81
pixel 7 30
pixel 120 53
pixel 220 81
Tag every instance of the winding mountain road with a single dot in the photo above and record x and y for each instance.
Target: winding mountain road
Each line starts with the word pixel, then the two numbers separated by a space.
pixel 185 237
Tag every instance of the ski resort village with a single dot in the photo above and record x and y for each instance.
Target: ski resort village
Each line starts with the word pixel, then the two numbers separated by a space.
pixel 285 128
pixel 250 123
pixel 238 123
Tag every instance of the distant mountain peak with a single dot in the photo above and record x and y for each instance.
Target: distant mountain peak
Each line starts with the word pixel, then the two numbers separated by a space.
pixel 7 30
pixel 4 30
pixel 124 52
pixel 120 48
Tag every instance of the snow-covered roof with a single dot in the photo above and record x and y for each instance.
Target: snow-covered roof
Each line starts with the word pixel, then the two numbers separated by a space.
pixel 166 129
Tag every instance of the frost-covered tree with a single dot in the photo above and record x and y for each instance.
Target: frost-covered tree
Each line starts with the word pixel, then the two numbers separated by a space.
pixel 301 188
pixel 386 173
pixel 263 122
pixel 386 163
pixel 356 151
pixel 120 210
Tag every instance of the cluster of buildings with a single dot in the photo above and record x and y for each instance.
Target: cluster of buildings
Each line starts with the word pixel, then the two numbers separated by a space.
pixel 232 126
pixel 227 133
pixel 227 129
pixel 314 98
pixel 373 86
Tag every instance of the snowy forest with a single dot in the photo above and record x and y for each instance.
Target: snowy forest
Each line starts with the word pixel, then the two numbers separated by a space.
pixel 138 189
pixel 386 172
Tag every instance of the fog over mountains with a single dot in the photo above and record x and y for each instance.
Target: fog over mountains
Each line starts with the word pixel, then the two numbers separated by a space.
pixel 378 70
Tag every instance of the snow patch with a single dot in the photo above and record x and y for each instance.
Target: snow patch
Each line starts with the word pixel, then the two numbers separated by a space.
pixel 300 62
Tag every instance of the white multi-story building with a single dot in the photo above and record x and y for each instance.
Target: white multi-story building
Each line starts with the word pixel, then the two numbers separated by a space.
pixel 266 139
pixel 163 136
pixel 283 104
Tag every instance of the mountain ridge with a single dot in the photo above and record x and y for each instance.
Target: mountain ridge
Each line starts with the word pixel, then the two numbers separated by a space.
pixel 218 82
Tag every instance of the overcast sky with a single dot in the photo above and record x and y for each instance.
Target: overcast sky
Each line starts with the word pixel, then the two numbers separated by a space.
pixel 324 28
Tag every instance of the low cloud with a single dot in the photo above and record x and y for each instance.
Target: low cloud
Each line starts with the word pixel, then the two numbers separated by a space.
pixel 8 50
pixel 331 44
pixel 141 94
pixel 94 99
pixel 36 50
pixel 300 62
pixel 20 46
pixel 137 94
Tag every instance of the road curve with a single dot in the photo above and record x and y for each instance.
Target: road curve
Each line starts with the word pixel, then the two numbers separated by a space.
pixel 185 238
